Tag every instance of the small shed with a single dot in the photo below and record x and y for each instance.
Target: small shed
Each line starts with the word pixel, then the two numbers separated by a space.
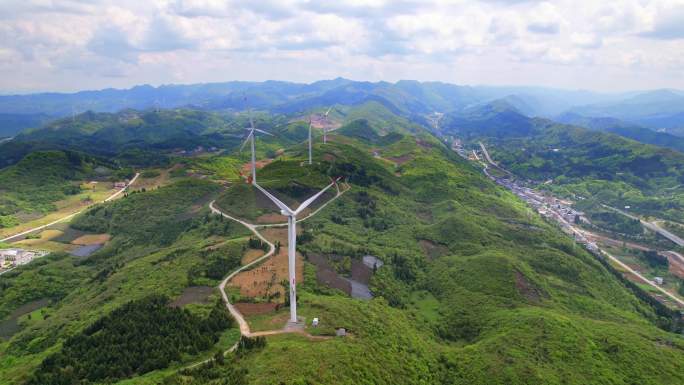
pixel 341 332
pixel 314 323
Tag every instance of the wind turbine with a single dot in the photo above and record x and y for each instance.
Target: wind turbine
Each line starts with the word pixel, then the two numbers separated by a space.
pixel 292 239
pixel 325 128
pixel 252 131
pixel 309 139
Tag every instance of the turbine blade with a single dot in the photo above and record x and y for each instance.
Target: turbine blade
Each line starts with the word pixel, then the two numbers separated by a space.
pixel 246 140
pixel 312 199
pixel 275 200
pixel 327 112
pixel 263 132
pixel 251 122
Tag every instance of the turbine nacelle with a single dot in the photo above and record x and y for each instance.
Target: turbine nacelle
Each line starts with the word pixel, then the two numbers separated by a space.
pixel 292 238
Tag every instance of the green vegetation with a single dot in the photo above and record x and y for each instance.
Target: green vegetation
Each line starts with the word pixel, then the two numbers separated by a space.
pixel 600 167
pixel 616 222
pixel 506 302
pixel 179 237
pixel 475 287
pixel 139 337
pixel 39 180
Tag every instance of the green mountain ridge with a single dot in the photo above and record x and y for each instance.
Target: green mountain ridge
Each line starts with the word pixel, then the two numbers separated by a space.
pixel 475 289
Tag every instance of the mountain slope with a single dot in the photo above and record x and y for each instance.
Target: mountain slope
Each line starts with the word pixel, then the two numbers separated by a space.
pixel 655 109
pixel 475 287
pixel 581 162
pixel 631 131
pixel 40 179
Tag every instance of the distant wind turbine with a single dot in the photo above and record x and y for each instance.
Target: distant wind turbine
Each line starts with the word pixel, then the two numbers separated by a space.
pixel 250 137
pixel 292 239
pixel 325 127
pixel 309 139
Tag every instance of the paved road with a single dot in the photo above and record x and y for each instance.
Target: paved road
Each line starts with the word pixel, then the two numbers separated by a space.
pixel 486 154
pixel 113 196
pixel 585 234
pixel 653 226
pixel 490 161
pixel 624 266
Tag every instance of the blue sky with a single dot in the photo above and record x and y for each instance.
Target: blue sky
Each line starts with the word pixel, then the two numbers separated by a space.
pixel 599 45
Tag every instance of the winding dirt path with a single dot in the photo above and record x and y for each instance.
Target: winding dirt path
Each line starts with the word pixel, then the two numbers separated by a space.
pixel 239 318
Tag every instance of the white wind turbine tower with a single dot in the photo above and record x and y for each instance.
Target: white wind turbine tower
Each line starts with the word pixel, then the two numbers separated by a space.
pixel 292 239
pixel 325 128
pixel 250 137
pixel 309 139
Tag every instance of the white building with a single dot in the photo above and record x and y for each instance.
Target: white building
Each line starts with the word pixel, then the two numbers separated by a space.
pixel 658 280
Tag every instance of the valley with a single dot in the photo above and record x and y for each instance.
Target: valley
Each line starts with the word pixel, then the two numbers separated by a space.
pixel 570 222
pixel 416 266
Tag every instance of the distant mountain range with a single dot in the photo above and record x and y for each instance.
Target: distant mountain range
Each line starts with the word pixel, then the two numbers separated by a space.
pixel 661 109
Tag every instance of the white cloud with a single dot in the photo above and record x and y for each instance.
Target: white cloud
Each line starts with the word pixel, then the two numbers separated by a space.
pixel 71 44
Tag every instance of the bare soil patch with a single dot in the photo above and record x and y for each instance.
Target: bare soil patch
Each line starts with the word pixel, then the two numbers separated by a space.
pixel 400 159
pixel 91 239
pixel 433 250
pixel 248 309
pixel 193 294
pixel 247 167
pixel 251 255
pixel 326 275
pixel 265 279
pixel 423 143
pixel 676 266
pixel 271 218
pixel 525 288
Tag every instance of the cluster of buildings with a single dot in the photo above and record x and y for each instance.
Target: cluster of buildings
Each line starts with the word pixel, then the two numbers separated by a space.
pixel 546 205
pixel 197 150
pixel 11 258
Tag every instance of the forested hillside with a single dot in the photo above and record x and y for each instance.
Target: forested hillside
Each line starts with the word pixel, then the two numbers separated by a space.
pixel 475 288
pixel 41 178
pixel 580 162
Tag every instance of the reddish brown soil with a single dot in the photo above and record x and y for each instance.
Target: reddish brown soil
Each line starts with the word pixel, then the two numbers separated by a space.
pixel 251 255
pixel 525 288
pixel 265 279
pixel 433 250
pixel 271 218
pixel 248 309
pixel 400 159
pixel 247 167
pixel 423 143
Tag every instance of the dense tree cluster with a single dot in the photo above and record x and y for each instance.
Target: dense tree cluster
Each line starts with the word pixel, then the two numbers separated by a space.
pixel 136 338
pixel 256 243
pixel 217 262
pixel 215 372
pixel 654 259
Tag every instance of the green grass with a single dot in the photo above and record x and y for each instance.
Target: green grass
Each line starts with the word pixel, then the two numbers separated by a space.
pixel 510 301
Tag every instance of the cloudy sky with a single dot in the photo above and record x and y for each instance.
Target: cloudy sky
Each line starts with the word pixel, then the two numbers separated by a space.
pixel 66 45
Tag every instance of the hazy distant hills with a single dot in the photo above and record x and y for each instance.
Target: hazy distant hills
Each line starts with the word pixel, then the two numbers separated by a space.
pixel 628 130
pixel 501 110
pixel 656 109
